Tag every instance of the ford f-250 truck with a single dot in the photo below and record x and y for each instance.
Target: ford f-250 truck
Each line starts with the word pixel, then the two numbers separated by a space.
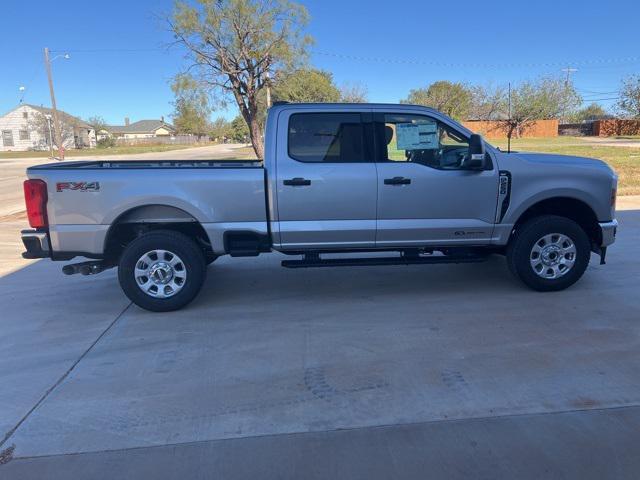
pixel 336 178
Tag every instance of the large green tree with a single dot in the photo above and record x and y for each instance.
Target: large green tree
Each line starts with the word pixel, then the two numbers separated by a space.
pixel 452 99
pixel 239 130
pixel 541 99
pixel 629 102
pixel 220 129
pixel 593 111
pixel 235 45
pixel 192 107
pixel 305 85
pixel 300 85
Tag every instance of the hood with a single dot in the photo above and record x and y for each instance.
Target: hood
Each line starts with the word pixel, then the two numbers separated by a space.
pixel 566 160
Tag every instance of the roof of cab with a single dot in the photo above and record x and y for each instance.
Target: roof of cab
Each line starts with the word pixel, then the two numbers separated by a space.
pixel 352 106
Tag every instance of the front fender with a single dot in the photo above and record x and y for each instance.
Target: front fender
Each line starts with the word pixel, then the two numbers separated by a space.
pixel 522 201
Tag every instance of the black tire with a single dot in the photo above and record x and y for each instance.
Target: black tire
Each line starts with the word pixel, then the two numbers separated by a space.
pixel 520 247
pixel 187 250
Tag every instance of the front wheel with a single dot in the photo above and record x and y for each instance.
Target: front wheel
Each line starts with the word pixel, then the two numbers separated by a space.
pixel 162 271
pixel 549 253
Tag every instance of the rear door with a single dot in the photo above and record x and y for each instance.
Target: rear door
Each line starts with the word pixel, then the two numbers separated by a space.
pixel 326 180
pixel 425 196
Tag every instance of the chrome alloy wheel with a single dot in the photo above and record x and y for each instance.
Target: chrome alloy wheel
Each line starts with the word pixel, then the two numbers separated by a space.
pixel 160 273
pixel 552 256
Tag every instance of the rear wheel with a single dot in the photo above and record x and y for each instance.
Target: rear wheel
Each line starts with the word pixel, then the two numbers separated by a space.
pixel 162 271
pixel 549 253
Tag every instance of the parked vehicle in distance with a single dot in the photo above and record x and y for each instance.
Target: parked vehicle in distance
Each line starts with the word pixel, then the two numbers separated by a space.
pixel 356 178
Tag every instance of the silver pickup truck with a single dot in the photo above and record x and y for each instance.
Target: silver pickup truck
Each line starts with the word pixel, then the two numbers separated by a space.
pixel 336 178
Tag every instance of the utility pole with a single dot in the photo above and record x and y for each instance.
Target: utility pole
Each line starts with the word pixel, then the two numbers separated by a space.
pixel 267 82
pixel 568 71
pixel 268 85
pixel 56 117
pixel 48 117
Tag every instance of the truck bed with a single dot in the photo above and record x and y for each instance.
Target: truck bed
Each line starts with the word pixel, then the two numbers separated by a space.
pixel 85 198
pixel 136 164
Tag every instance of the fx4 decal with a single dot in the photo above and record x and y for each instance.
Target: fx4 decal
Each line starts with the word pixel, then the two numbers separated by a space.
pixel 78 186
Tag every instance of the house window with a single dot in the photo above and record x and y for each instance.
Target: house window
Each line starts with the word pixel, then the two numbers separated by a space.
pixel 25 114
pixel 24 135
pixel 7 138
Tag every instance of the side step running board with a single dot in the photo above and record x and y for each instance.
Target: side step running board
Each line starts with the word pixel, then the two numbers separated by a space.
pixel 315 261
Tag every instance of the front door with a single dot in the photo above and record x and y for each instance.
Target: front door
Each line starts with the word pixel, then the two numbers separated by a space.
pixel 326 181
pixel 425 196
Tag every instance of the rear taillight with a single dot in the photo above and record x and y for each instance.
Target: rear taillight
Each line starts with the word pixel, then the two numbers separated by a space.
pixel 613 198
pixel 35 196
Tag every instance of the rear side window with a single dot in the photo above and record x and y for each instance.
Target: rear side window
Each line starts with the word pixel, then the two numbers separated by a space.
pixel 326 137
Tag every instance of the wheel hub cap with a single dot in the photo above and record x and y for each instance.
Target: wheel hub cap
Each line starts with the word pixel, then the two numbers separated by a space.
pixel 550 255
pixel 160 273
pixel 553 256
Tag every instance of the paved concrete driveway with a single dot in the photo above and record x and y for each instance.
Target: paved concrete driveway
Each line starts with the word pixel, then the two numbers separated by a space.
pixel 370 372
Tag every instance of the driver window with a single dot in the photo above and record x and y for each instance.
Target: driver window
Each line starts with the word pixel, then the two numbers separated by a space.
pixel 420 139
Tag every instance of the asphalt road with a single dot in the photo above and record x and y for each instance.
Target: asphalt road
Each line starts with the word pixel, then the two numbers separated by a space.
pixel 13 169
pixel 369 372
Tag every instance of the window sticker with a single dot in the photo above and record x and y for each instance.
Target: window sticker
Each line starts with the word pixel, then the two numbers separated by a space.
pixel 422 135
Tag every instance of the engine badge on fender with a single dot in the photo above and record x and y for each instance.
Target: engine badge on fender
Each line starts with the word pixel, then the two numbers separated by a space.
pixel 78 186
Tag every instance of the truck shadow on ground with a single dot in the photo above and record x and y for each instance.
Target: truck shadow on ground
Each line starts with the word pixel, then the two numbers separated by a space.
pixel 233 280
pixel 260 282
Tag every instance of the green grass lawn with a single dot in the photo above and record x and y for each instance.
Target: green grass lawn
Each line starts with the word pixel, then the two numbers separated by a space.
pixel 98 151
pixel 624 160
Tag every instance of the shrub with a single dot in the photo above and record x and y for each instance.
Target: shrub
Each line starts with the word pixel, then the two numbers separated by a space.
pixel 107 142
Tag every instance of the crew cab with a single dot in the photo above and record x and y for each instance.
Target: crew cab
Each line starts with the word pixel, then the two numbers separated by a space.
pixel 336 178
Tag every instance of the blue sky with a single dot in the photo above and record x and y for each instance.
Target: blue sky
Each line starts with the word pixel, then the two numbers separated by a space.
pixel 119 66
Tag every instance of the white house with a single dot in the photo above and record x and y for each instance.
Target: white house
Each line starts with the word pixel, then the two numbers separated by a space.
pixel 26 127
pixel 140 129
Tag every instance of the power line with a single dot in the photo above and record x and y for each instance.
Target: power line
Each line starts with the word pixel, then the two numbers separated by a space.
pixel 476 65
pixel 28 84
pixel 109 50
pixel 600 99
pixel 413 61
pixel 598 93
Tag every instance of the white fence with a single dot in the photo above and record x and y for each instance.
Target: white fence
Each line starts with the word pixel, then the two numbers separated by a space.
pixel 164 140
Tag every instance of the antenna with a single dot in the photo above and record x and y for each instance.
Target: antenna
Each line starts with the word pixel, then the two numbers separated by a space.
pixel 510 128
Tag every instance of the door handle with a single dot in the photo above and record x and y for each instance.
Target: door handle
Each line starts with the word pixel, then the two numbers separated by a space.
pixel 397 181
pixel 297 182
